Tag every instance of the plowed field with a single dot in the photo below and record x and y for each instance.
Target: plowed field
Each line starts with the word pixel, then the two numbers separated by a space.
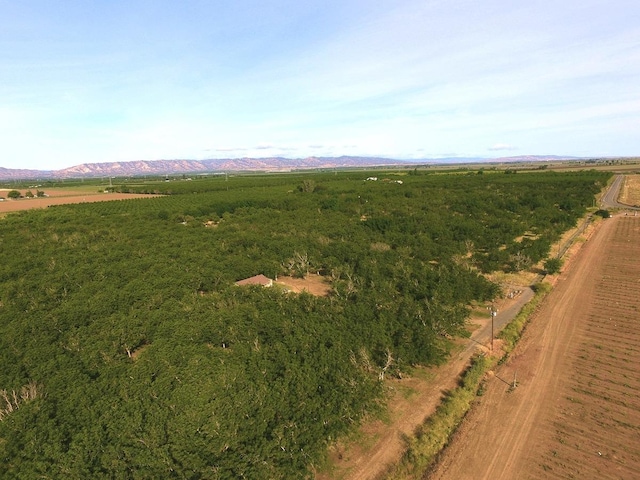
pixel 576 410
pixel 60 197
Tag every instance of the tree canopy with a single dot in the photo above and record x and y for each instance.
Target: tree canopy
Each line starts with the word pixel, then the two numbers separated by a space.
pixel 132 354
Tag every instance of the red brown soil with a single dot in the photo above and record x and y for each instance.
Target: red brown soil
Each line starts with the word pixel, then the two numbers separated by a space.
pixel 312 283
pixel 576 410
pixel 61 197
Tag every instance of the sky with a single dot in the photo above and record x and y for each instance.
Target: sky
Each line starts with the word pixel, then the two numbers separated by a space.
pixel 85 81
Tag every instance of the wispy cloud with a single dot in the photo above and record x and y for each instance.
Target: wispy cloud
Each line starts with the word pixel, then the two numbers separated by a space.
pixel 502 146
pixel 364 78
pixel 227 149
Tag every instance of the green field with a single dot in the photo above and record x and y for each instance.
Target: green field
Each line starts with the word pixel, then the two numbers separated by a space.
pixel 132 354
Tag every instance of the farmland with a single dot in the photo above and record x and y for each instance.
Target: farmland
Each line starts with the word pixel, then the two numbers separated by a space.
pixel 575 411
pixel 126 347
pixel 630 192
pixel 60 196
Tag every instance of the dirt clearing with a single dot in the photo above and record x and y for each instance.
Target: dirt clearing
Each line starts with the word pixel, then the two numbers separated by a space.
pixel 576 410
pixel 312 283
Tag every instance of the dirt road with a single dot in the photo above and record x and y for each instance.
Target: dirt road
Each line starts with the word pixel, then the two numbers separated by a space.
pixel 612 195
pixel 412 401
pixel 574 411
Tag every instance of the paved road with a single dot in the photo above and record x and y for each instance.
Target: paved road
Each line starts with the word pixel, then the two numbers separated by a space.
pixel 610 199
pixel 502 318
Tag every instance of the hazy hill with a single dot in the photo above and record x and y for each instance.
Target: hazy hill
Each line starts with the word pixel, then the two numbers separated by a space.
pixel 168 167
pixel 19 173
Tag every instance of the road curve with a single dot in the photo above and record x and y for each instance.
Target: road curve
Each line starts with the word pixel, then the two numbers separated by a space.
pixel 610 198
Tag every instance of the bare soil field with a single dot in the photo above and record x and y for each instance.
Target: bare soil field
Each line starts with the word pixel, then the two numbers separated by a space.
pixel 576 410
pixel 60 197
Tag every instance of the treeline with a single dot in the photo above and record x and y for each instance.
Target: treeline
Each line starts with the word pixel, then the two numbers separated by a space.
pixel 145 361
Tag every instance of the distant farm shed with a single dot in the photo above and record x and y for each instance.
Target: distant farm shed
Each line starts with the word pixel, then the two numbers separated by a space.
pixel 256 280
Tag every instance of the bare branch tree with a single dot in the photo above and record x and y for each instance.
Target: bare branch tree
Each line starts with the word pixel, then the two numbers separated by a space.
pixel 520 261
pixel 387 364
pixel 11 401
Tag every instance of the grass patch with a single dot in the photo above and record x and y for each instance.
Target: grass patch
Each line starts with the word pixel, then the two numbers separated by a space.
pixel 434 434
pixel 406 392
pixel 422 373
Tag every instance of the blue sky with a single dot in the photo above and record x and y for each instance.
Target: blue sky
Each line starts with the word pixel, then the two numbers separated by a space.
pixel 92 81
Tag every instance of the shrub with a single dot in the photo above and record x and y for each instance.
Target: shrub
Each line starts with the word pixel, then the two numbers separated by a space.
pixel 553 265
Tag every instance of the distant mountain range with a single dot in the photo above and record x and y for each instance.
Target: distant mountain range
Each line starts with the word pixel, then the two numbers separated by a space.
pixel 272 164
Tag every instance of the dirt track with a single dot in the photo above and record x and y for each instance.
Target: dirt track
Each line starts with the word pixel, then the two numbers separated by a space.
pixel 575 412
pixel 412 400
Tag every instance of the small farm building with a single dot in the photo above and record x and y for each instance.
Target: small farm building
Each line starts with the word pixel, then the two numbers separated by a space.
pixel 256 280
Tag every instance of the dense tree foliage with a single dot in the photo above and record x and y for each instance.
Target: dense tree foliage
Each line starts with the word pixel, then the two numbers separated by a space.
pixel 553 265
pixel 133 355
